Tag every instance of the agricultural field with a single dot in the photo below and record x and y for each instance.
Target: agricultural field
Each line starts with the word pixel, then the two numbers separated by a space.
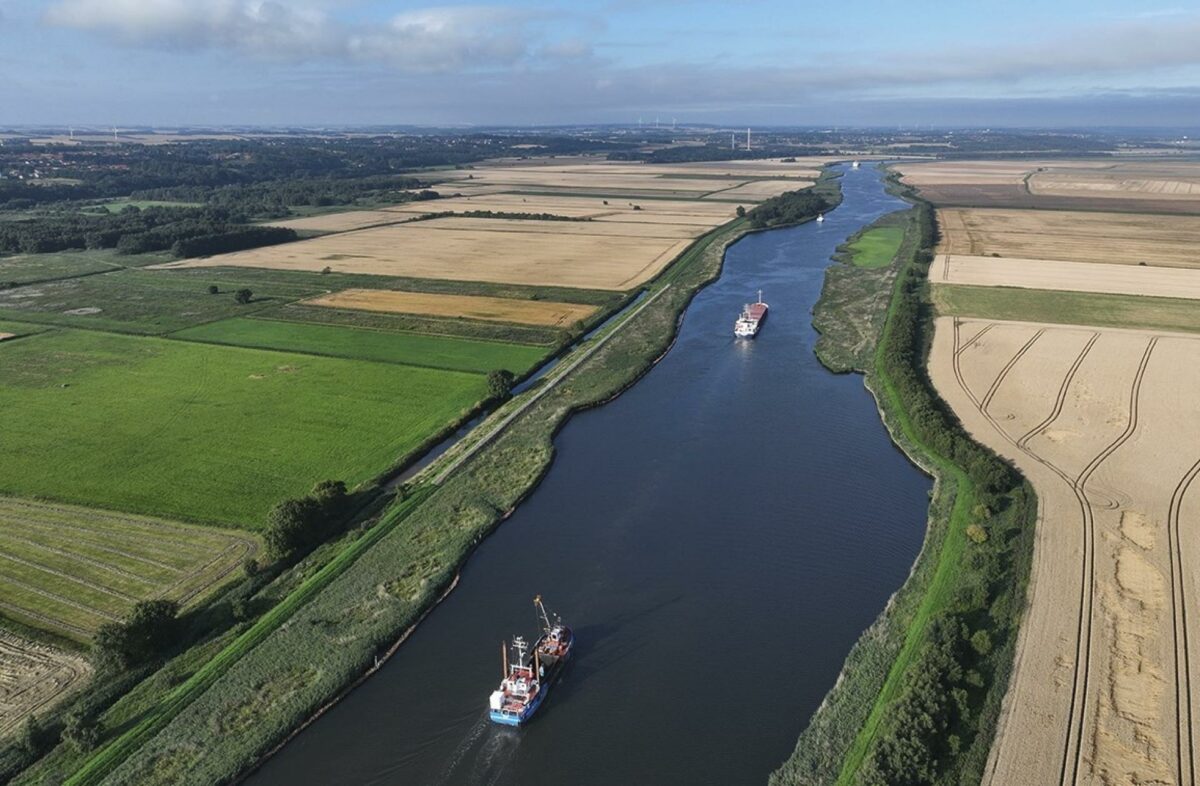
pixel 34 677
pixel 1104 423
pixel 143 301
pixel 30 268
pixel 455 354
pixel 203 432
pixel 341 221
pixel 1067 276
pixel 665 211
pixel 606 258
pixel 1074 236
pixel 1072 308
pixel 498 309
pixel 876 247
pixel 1139 186
pixel 69 569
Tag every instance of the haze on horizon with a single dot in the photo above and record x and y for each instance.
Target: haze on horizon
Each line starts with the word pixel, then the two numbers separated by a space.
pixel 359 62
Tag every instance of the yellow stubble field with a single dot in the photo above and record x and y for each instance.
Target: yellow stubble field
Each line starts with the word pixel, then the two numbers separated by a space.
pixel 497 309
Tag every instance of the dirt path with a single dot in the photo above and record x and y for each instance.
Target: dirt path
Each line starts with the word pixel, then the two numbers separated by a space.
pixel 1105 426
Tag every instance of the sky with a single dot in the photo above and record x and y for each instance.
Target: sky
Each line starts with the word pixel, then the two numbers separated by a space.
pixel 331 63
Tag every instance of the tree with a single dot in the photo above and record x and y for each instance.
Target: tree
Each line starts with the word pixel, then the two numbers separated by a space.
pixel 145 634
pixel 243 296
pixel 81 733
pixel 741 212
pixel 500 383
pixel 213 289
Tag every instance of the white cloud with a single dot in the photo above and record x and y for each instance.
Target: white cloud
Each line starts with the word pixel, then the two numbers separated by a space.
pixel 430 39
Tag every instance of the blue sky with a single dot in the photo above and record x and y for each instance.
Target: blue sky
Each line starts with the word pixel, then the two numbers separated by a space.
pixel 350 62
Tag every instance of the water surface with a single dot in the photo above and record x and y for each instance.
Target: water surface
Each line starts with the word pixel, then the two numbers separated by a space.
pixel 718 536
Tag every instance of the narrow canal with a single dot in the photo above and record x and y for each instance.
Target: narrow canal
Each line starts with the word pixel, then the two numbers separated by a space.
pixel 718 536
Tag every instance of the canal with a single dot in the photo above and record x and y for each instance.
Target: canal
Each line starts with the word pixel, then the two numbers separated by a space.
pixel 718 536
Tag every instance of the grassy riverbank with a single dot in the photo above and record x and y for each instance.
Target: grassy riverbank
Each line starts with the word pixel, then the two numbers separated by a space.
pixel 920 693
pixel 321 629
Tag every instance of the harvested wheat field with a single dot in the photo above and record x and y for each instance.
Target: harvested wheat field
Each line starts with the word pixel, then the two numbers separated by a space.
pixel 602 179
pixel 1126 180
pixel 758 190
pixel 1105 425
pixel 496 309
pixel 1071 235
pixel 929 173
pixel 1067 276
pixel 606 258
pixel 652 211
pixel 666 231
pixel 341 222
pixel 33 678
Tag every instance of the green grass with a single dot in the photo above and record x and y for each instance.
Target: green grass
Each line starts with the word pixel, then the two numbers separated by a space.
pixel 876 247
pixel 114 753
pixel 1071 308
pixel 144 301
pixel 364 344
pixel 20 328
pixel 206 433
pixel 30 268
pixel 103 563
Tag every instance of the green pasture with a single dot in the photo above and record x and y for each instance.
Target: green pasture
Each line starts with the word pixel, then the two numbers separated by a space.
pixel 30 268
pixel 876 247
pixel 365 344
pixel 202 432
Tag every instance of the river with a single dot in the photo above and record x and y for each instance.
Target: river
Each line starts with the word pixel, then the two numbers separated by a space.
pixel 718 536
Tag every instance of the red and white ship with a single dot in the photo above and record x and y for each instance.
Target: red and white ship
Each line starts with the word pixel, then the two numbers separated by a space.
pixel 753 315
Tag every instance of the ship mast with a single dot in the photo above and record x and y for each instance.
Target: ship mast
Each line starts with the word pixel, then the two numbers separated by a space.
pixel 760 296
pixel 537 602
pixel 504 657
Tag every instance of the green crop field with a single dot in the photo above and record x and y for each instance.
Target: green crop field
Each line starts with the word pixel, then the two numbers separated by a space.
pixel 1072 308
pixel 20 328
pixel 28 268
pixel 202 432
pixel 366 344
pixel 876 247
pixel 69 570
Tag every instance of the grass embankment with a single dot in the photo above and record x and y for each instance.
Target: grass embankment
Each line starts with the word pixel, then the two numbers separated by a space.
pixel 920 693
pixel 206 433
pixel 455 354
pixel 850 313
pixel 1068 308
pixel 331 640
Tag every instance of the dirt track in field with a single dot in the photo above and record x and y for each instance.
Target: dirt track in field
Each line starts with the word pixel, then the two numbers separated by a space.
pixel 525 312
pixel 1106 426
pixel 33 678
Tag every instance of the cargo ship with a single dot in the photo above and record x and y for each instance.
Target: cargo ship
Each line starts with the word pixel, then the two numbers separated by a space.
pixel 530 672
pixel 753 315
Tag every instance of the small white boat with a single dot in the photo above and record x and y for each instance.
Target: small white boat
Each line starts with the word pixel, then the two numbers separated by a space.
pixel 820 217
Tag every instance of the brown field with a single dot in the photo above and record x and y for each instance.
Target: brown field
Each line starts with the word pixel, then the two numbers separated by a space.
pixel 1118 238
pixel 669 211
pixel 1105 425
pixel 614 228
pixel 498 309
pixel 758 190
pixel 1067 276
pixel 437 249
pixel 33 678
pixel 929 173
pixel 342 222
pixel 6 335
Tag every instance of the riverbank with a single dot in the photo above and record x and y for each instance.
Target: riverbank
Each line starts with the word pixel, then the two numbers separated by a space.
pixel 942 649
pixel 334 638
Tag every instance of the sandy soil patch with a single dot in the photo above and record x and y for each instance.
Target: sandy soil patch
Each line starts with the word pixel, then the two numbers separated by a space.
pixel 1078 236
pixel 6 335
pixel 33 678
pixel 426 250
pixel 526 312
pixel 1104 425
pixel 1068 276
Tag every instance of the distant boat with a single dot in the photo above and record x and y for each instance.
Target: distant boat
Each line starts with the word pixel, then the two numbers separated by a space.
pixel 751 319
pixel 820 218
pixel 527 681
pixel 854 165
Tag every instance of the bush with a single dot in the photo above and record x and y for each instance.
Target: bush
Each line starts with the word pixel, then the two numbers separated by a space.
pixel 243 296
pixel 500 383
pixel 295 526
pixel 213 289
